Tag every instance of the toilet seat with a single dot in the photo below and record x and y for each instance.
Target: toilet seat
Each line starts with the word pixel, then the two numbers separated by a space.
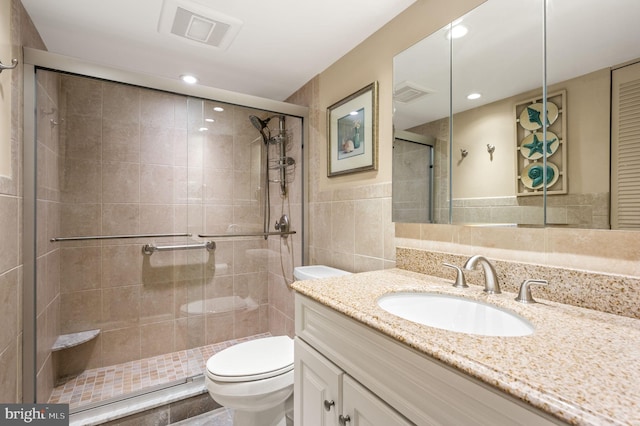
pixel 253 360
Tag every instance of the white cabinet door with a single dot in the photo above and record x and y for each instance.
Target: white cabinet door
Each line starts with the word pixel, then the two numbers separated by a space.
pixel 318 388
pixel 362 408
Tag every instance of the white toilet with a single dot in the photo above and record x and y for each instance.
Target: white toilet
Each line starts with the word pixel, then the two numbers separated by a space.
pixel 255 378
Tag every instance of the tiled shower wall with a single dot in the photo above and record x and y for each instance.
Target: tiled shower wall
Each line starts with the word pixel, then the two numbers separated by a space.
pixel 133 162
pixel 286 253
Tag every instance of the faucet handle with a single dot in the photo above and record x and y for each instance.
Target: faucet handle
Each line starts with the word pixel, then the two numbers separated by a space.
pixel 524 295
pixel 460 281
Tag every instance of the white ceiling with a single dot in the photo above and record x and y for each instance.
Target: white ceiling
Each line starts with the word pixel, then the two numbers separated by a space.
pixel 281 45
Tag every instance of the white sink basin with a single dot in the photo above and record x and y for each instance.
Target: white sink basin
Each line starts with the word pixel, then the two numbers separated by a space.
pixel 455 314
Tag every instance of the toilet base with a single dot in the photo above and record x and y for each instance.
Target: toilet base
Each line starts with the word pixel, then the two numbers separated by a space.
pixel 275 416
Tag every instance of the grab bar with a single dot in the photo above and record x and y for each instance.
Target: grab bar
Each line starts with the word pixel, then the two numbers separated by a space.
pixel 114 237
pixel 254 234
pixel 152 248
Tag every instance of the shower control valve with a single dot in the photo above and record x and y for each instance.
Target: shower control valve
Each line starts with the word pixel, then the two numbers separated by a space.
pixel 282 225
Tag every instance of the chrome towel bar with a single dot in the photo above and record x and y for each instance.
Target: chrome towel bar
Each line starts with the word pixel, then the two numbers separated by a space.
pixel 152 248
pixel 115 237
pixel 254 234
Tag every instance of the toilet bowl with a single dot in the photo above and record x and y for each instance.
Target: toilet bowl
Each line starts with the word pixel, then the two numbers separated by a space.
pixel 255 379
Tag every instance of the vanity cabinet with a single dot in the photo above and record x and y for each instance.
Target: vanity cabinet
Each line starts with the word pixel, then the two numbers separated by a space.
pixel 325 396
pixel 361 370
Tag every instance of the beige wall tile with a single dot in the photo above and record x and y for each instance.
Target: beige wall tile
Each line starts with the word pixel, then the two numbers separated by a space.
pixel 219 328
pixel 120 141
pixel 120 307
pixel 81 181
pixel 369 228
pixel 121 182
pixel 8 233
pixel 156 184
pixel 157 109
pixel 343 226
pixel 9 299
pixel 120 219
pixel 189 332
pixel 118 269
pixel 121 103
pixel 84 96
pixel 9 373
pixel 157 303
pixel 83 137
pixel 80 311
pixel 156 339
pixel 121 345
pixel 157 219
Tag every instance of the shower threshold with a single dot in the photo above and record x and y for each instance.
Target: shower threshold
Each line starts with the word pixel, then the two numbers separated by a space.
pixel 105 385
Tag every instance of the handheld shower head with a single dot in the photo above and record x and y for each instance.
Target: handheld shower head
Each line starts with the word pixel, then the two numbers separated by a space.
pixel 258 123
pixel 261 125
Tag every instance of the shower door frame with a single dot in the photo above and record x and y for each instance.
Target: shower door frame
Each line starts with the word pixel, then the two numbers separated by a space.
pixel 34 59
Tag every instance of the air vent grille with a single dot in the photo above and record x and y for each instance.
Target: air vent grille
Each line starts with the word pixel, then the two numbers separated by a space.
pixel 408 91
pixel 198 24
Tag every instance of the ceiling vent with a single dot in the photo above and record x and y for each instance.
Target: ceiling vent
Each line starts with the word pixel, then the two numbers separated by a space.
pixel 198 24
pixel 408 91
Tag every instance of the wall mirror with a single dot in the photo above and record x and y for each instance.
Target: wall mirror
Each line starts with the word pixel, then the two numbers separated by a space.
pixel 492 151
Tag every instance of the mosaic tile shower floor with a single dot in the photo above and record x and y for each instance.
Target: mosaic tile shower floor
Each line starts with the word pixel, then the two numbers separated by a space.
pixel 105 383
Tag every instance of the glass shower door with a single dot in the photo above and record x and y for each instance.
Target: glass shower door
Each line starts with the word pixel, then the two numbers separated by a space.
pixel 111 178
pixel 129 298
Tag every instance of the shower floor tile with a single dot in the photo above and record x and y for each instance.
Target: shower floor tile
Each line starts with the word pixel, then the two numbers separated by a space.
pixel 105 383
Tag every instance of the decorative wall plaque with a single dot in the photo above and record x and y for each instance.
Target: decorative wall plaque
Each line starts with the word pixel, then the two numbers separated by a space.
pixel 531 147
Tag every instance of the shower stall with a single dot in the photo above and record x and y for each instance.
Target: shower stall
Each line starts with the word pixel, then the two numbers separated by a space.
pixel 148 239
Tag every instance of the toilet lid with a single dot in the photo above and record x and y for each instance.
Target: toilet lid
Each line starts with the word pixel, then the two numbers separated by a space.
pixel 252 360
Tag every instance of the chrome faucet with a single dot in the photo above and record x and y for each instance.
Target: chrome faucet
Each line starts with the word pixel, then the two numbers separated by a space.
pixel 491 285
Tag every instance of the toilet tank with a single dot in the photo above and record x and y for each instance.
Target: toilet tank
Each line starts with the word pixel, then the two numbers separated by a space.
pixel 312 272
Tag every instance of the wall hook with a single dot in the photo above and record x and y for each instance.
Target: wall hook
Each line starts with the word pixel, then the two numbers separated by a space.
pixel 463 152
pixel 14 63
pixel 490 148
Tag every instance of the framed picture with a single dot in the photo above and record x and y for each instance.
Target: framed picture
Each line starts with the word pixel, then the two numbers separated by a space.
pixel 352 132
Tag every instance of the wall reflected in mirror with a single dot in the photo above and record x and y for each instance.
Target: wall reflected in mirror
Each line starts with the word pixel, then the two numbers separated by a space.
pixel 500 59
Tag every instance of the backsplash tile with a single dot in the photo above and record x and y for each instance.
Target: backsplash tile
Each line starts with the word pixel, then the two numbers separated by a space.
pixel 615 294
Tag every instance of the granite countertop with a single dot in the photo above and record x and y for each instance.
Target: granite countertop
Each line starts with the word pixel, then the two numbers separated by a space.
pixel 579 365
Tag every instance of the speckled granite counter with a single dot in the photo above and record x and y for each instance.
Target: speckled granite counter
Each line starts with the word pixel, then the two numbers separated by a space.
pixel 580 365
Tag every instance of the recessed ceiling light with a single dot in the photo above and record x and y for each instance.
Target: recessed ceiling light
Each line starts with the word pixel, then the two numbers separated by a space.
pixel 189 79
pixel 218 109
pixel 457 31
pixel 473 96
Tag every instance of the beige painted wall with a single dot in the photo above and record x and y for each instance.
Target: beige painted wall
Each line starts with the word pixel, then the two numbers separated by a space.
pixel 588 103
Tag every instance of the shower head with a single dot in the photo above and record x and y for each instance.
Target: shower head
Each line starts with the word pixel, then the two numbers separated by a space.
pixel 261 125
pixel 258 123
